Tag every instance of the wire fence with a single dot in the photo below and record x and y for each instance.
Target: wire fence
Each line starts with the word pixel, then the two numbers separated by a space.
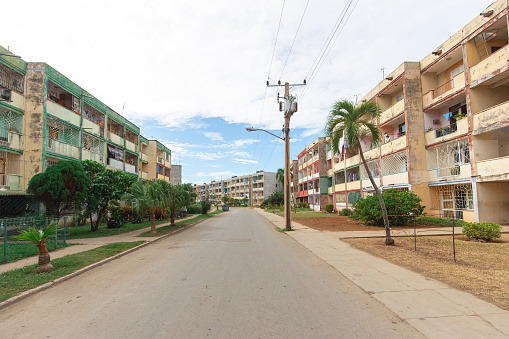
pixel 13 249
pixel 411 220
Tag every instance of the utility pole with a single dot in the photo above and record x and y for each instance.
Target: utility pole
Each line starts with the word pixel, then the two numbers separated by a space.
pixel 289 106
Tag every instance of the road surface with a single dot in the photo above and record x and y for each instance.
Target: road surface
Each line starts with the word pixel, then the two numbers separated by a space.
pixel 231 276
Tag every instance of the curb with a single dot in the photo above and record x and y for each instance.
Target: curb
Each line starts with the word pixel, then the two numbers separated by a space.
pixel 50 284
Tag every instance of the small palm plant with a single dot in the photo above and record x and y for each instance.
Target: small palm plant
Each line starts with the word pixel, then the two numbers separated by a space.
pixel 38 238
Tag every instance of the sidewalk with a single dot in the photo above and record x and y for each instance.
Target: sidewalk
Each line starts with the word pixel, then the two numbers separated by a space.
pixel 82 245
pixel 433 308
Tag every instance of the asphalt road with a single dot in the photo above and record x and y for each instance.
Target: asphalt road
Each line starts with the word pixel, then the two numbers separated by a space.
pixel 231 276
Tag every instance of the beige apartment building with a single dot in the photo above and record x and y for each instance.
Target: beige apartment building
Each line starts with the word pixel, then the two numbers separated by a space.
pixel 46 118
pixel 445 127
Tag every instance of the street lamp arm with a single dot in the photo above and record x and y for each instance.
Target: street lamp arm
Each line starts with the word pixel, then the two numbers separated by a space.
pixel 251 129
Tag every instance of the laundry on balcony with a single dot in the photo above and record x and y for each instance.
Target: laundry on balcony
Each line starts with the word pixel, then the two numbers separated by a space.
pixel 447 116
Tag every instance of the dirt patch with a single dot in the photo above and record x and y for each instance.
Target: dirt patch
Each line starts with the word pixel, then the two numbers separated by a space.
pixel 481 268
pixel 337 224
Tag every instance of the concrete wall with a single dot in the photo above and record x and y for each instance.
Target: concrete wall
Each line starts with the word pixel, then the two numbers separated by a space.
pixel 34 121
pixel 493 202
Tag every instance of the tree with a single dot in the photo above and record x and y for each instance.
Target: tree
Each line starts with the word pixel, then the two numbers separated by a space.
pixel 60 187
pixel 148 196
pixel 38 238
pixel 225 199
pixel 353 122
pixel 280 176
pixel 106 187
pixel 177 197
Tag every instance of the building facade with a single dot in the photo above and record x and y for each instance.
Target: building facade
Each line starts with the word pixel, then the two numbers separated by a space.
pixel 445 127
pixel 46 118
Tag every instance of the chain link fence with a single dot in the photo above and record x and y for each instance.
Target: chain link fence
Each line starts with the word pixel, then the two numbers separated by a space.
pixel 13 249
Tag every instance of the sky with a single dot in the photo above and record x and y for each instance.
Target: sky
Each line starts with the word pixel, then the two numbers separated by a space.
pixel 192 74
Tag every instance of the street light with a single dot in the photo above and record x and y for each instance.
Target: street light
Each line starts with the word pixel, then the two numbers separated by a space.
pixel 288 221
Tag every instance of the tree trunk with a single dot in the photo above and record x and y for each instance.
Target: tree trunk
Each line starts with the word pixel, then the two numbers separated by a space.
pixel 388 239
pixel 44 265
pixel 172 218
pixel 153 222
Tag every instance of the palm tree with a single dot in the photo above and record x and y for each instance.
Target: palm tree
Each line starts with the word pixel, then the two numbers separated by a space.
pixel 280 176
pixel 38 237
pixel 175 198
pixel 352 122
pixel 146 197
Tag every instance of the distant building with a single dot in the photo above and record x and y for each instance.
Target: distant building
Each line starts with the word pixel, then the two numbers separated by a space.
pixel 176 174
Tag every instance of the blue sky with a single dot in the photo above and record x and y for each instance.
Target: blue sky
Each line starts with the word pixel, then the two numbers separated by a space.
pixel 192 73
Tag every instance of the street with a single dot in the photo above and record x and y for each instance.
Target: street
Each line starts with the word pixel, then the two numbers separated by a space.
pixel 231 276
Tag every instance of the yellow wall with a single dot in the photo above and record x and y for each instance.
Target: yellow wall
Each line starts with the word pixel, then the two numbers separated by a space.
pixel 34 118
pixel 493 202
pixel 484 97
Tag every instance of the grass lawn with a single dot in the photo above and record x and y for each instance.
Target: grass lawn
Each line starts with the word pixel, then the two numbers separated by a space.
pixel 307 214
pixel 20 250
pixel 180 224
pixel 19 280
pixel 80 232
pixel 481 268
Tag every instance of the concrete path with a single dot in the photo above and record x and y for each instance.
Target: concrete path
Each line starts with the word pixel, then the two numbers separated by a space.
pixel 433 308
pixel 82 245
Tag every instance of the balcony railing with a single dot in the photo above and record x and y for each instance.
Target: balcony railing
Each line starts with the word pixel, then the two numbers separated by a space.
pixel 94 156
pixel 62 148
pixel 116 164
pixel 489 65
pixel 11 182
pixel 131 169
pixel 131 146
pixel 62 113
pixel 434 96
pixel 144 157
pixel 11 140
pixel 442 89
pixel 115 138
pixel 496 167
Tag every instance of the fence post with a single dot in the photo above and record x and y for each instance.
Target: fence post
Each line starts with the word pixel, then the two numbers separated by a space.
pixel 453 240
pixel 5 240
pixel 65 227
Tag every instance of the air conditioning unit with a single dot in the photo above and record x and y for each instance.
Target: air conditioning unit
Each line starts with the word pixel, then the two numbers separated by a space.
pixel 5 94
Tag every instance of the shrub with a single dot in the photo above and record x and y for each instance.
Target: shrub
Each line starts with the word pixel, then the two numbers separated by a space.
pixel 119 216
pixel 194 209
pixel 482 230
pixel 161 214
pixel 137 219
pixel 205 206
pixel 399 204
pixel 346 211
pixel 264 203
pixel 329 208
pixel 305 205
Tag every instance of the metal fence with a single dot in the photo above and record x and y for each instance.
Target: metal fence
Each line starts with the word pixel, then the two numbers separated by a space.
pixel 13 249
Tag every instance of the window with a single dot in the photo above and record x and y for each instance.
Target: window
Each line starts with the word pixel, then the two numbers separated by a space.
pixel 401 130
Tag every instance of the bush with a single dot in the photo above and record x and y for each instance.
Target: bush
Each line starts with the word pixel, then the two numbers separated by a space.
pixel 482 230
pixel 346 212
pixel 137 219
pixel 205 206
pixel 161 214
pixel 399 204
pixel 119 216
pixel 305 205
pixel 329 208
pixel 194 209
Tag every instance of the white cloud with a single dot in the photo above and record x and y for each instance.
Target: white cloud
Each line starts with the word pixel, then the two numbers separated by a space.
pixel 243 142
pixel 312 131
pixel 245 161
pixel 215 136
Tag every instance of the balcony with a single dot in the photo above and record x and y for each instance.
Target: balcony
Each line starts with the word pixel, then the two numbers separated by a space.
pixel 303 193
pixel 329 155
pixel 447 133
pixel 161 161
pixel 62 113
pixel 330 190
pixel 131 146
pixel 486 68
pixel 115 139
pixel 11 140
pixel 18 100
pixel 443 91
pixel 353 160
pixel 452 173
pixel 338 166
pixel 372 153
pixel 394 145
pixel 144 157
pixel 89 155
pixel 62 148
pixel 493 169
pixel 354 185
pixel 131 169
pixel 115 164
pixel 392 111
pixel 492 118
pixel 315 175
pixel 395 179
pixel 92 128
pixel 11 182
pixel 330 172
pixel 340 187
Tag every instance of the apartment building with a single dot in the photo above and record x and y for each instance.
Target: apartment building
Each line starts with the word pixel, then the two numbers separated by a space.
pixel 445 127
pixel 176 174
pixel 314 175
pixel 46 118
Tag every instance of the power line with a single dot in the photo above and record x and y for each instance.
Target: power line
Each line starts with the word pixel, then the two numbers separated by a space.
pixel 296 33
pixel 275 42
